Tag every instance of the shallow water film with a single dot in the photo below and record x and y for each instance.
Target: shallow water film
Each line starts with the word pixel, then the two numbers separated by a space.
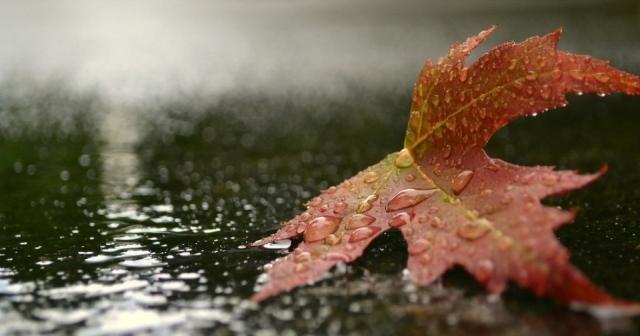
pixel 128 200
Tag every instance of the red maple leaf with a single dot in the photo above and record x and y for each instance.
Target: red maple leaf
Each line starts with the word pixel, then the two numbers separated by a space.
pixel 454 204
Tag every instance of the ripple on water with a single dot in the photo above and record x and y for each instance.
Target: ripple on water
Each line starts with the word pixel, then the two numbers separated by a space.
pixel 189 276
pixel 130 321
pixel 8 288
pixel 102 258
pixel 93 289
pixel 130 214
pixel 127 237
pixel 147 262
pixel 164 220
pixel 151 230
pixel 162 208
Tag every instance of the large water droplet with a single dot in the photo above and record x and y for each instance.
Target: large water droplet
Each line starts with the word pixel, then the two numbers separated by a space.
pixel 461 181
pixel 320 227
pixel 404 159
pixel 408 198
pixel 367 204
pixel 475 229
pixel 363 233
pixel 359 220
pixel 418 246
pixel 399 219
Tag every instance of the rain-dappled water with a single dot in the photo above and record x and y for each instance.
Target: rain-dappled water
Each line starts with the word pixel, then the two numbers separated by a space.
pixel 133 217
pixel 124 230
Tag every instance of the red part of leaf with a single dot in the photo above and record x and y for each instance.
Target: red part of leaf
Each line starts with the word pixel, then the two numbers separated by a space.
pixel 454 204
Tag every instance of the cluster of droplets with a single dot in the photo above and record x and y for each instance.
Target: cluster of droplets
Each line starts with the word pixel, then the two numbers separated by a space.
pixel 332 226
pixel 326 228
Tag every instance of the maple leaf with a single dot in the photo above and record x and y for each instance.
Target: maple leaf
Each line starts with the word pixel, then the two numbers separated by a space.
pixel 452 203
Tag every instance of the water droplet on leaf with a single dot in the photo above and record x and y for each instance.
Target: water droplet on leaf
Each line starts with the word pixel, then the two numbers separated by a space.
pixel 461 181
pixel 339 208
pixel 473 230
pixel 463 74
pixel 484 270
pixel 446 152
pixel 399 219
pixel 418 246
pixel 408 198
pixel 424 259
pixel 532 76
pixel 363 233
pixel 367 203
pixel 576 75
pixel 404 159
pixel 337 256
pixel 320 227
pixel 359 220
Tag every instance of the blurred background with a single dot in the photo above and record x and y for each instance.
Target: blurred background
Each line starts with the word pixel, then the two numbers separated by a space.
pixel 143 144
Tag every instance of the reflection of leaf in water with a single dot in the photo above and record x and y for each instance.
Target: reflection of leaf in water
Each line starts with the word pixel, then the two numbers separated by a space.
pixel 453 204
pixel 447 310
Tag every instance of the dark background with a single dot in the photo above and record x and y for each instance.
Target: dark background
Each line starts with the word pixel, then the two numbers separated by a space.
pixel 143 144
